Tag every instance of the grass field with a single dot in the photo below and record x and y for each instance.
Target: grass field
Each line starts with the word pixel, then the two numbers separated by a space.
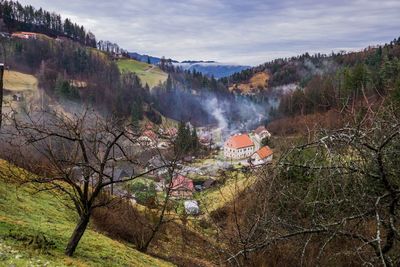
pixel 35 227
pixel 150 74
pixel 17 81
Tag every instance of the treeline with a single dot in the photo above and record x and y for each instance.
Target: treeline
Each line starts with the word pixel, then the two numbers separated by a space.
pixel 26 18
pixel 111 48
pixel 372 73
pixel 300 69
pixel 187 140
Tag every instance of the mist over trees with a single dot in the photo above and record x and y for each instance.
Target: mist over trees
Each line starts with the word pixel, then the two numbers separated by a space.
pixel 372 73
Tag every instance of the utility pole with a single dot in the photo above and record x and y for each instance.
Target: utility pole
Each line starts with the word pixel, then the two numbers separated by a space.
pixel 1 92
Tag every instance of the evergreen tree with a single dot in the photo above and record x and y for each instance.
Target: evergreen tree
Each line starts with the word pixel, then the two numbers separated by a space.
pixel 195 140
pixel 168 85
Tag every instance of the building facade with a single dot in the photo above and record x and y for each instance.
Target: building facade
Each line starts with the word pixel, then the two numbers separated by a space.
pixel 239 146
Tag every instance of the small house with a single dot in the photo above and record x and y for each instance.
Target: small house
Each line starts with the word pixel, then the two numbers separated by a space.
pixel 262 156
pixel 261 132
pixel 24 35
pixel 181 187
pixel 18 97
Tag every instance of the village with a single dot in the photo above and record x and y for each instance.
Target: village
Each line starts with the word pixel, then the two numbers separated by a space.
pixel 192 177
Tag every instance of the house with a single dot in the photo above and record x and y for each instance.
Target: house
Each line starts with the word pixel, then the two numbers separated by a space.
pixel 262 156
pixel 191 207
pixel 181 187
pixel 239 146
pixel 261 132
pixel 18 97
pixel 149 126
pixel 148 138
pixel 171 132
pixel 158 163
pixel 24 35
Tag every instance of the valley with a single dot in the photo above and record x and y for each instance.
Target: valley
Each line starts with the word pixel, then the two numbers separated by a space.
pixel 114 158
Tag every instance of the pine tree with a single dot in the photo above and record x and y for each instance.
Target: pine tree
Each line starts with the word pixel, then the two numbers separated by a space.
pixel 195 141
pixel 168 85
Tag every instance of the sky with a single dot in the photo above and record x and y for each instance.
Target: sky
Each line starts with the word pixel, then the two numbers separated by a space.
pixel 247 32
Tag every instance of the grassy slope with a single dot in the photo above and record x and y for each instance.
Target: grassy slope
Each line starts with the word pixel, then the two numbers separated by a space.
pixel 17 81
pixel 24 215
pixel 147 73
pixel 259 79
pixel 215 198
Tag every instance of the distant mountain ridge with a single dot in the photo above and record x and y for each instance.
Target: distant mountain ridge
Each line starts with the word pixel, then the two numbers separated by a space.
pixel 147 58
pixel 206 67
pixel 212 68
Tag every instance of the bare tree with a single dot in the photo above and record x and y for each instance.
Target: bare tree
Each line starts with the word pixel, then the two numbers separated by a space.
pixel 333 198
pixel 1 93
pixel 77 153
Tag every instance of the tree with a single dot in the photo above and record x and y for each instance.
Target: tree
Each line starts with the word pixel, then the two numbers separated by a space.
pixel 76 154
pixel 168 85
pixel 195 141
pixel 1 93
pixel 266 141
pixel 333 200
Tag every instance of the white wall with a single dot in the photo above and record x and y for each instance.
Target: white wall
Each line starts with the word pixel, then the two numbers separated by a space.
pixel 240 153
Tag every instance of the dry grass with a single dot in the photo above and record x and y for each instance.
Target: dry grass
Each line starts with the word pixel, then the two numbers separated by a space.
pixel 259 80
pixel 18 81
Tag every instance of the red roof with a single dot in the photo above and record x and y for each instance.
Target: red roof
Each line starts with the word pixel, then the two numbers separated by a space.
pixel 171 131
pixel 181 182
pixel 25 33
pixel 239 141
pixel 264 152
pixel 149 126
pixel 150 134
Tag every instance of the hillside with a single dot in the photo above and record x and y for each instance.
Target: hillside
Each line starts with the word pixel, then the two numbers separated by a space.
pixel 150 74
pixel 34 228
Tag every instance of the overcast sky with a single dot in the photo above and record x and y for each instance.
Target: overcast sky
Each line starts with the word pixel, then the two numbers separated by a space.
pixel 234 31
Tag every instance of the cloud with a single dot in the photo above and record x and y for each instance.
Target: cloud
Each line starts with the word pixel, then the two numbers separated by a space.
pixel 247 32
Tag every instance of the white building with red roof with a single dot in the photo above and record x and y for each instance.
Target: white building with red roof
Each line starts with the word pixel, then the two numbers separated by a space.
pixel 239 146
pixel 262 156
pixel 24 35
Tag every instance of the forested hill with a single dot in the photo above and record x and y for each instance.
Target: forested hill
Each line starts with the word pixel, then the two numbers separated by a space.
pixel 310 84
pixel 17 17
pixel 300 69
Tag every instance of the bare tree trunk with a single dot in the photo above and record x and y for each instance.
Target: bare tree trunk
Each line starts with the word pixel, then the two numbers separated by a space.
pixel 1 93
pixel 77 234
